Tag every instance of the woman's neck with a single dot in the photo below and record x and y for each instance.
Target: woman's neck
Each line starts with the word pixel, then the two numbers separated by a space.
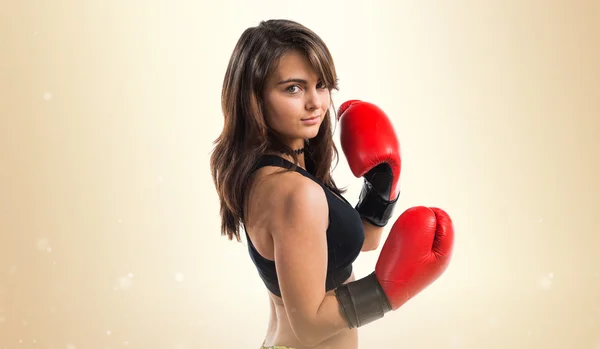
pixel 289 157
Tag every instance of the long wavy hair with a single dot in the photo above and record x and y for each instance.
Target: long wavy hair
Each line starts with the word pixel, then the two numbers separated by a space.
pixel 246 135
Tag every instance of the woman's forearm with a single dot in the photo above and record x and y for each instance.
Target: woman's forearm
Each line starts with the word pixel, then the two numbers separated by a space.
pixel 372 236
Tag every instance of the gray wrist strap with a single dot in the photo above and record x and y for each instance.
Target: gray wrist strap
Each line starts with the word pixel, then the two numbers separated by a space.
pixel 362 301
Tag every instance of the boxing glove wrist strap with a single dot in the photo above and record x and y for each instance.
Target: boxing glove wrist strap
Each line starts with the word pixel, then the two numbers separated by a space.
pixel 362 301
pixel 373 207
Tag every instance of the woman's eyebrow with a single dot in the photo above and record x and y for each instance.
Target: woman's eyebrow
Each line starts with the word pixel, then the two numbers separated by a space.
pixel 302 81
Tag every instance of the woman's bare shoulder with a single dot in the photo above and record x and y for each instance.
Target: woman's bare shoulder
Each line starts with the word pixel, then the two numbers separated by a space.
pixel 287 195
pixel 272 185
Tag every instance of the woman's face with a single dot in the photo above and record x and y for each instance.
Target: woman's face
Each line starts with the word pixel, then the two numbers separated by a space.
pixel 295 100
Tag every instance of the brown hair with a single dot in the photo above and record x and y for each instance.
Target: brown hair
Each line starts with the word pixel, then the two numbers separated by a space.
pixel 245 135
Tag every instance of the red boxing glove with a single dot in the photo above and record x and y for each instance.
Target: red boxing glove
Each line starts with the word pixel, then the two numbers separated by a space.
pixel 416 252
pixel 370 144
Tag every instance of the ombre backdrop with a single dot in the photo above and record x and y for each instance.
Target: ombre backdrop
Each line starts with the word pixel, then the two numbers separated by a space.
pixel 109 226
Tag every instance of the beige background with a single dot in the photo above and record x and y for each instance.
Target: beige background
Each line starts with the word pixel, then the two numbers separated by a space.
pixel 109 229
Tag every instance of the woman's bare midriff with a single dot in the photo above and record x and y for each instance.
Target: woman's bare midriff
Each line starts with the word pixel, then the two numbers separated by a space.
pixel 279 331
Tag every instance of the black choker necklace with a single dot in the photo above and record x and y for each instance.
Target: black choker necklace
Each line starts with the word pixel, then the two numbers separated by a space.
pixel 297 151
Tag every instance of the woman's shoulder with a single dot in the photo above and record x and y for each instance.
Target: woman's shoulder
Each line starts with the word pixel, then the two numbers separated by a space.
pixel 278 195
pixel 278 184
pixel 294 205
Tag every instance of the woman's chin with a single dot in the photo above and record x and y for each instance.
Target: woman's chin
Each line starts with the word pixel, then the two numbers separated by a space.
pixel 310 134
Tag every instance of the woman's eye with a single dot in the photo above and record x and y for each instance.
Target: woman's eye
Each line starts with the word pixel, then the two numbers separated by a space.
pixel 290 89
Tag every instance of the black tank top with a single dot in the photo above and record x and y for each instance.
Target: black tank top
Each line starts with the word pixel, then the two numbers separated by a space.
pixel 345 235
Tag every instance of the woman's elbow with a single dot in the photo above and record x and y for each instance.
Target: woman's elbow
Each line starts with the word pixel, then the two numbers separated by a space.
pixel 372 237
pixel 307 336
pixel 370 246
pixel 309 341
pixel 307 330
pixel 371 243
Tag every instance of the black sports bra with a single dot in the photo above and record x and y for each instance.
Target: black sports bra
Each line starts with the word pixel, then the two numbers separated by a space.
pixel 345 235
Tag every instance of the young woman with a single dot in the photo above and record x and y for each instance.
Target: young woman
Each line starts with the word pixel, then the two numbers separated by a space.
pixel 271 166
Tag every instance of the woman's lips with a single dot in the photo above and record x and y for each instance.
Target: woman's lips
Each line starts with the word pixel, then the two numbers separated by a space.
pixel 312 120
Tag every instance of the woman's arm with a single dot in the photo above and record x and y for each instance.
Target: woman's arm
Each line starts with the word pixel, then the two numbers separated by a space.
pixel 372 236
pixel 298 223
